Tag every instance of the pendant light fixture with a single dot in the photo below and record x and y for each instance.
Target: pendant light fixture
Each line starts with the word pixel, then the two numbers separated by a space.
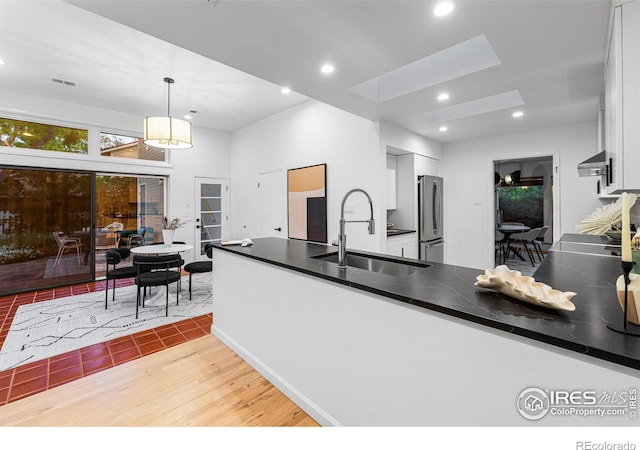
pixel 167 132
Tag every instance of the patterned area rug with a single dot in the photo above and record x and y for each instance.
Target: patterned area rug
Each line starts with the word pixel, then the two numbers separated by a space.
pixel 49 328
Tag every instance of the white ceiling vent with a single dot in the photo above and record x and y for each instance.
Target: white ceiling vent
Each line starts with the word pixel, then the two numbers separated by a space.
pixel 65 82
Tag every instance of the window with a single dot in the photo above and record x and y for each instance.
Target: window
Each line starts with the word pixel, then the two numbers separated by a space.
pixel 42 136
pixel 128 147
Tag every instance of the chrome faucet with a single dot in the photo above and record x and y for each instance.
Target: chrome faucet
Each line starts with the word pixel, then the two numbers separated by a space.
pixel 342 237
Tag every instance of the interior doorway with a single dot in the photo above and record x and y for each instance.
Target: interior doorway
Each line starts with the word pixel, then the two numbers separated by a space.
pixel 524 194
pixel 271 196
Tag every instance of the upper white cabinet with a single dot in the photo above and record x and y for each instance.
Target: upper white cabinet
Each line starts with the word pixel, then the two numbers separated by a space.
pixel 392 183
pixel 622 99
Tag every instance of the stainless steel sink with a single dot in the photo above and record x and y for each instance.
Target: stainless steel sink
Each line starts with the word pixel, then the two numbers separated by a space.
pixel 377 264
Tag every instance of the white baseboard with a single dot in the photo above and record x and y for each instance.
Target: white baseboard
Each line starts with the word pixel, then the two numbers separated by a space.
pixel 317 413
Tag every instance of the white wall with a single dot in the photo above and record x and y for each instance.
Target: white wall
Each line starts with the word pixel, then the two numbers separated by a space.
pixel 308 134
pixel 467 167
pixel 209 157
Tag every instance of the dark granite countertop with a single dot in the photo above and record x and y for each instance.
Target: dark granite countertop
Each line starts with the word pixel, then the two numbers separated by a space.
pixel 450 290
pixel 398 232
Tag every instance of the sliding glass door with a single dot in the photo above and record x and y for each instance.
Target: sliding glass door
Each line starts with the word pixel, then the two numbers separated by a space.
pixel 56 226
pixel 129 205
pixel 43 216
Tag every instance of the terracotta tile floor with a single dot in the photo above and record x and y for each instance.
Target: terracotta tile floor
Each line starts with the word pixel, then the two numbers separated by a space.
pixel 48 373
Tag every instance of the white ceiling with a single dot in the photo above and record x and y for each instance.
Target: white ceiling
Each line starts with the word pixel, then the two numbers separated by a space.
pixel 550 57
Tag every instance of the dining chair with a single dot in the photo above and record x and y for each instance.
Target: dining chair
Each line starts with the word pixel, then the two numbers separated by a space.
pixel 540 239
pixel 200 266
pixel 66 243
pixel 500 240
pixel 106 240
pixel 156 271
pixel 114 257
pixel 522 239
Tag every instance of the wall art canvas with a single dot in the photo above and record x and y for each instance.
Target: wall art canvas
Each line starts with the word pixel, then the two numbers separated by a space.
pixel 307 203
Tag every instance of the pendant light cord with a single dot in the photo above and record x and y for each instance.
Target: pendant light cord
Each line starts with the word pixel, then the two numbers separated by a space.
pixel 169 81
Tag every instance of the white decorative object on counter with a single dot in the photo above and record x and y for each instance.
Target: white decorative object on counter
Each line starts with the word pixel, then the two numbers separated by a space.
pixel 527 289
pixel 606 218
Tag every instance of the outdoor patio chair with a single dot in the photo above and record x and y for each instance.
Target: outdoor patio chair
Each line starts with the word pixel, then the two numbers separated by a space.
pixel 137 238
pixel 66 243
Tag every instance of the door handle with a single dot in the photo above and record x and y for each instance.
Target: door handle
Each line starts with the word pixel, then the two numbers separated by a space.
pixel 278 229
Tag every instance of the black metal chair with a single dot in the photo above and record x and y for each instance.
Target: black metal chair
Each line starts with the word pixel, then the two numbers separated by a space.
pixel 156 271
pixel 200 266
pixel 175 264
pixel 114 257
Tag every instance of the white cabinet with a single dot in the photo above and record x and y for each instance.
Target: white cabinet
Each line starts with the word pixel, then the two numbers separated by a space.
pixel 403 245
pixel 622 99
pixel 392 183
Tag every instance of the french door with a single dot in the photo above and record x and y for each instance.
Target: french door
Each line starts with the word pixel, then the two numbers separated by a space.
pixel 211 213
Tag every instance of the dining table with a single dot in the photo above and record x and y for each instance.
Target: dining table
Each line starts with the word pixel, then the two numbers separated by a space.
pixel 161 249
pixel 508 230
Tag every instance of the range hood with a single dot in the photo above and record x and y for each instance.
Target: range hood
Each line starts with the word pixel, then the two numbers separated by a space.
pixel 594 166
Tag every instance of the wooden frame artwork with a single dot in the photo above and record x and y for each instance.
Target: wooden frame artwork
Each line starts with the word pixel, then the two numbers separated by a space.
pixel 307 203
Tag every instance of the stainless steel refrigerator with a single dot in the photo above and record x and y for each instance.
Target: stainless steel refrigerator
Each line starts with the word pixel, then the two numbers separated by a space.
pixel 430 210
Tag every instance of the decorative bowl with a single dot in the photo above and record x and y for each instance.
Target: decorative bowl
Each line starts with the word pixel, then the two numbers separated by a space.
pixel 616 236
pixel 524 288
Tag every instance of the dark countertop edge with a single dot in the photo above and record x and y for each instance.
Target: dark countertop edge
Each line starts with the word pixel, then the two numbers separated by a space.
pixel 398 232
pixel 554 341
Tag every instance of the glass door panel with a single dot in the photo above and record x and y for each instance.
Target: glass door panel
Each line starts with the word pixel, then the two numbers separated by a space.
pixel 211 214
pixel 45 223
pixel 126 204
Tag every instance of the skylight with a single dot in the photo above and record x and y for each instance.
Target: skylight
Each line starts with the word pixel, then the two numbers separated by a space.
pixel 483 105
pixel 454 62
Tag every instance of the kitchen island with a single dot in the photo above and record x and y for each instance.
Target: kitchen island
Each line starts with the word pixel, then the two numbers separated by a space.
pixel 358 347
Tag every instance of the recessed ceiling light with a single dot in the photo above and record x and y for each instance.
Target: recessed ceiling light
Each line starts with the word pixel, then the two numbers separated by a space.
pixel 443 8
pixel 285 90
pixel 187 117
pixel 327 68
pixel 518 114
pixel 443 128
pixel 443 96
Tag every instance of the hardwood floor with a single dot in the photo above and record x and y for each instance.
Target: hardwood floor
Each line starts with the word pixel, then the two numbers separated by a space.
pixel 199 383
